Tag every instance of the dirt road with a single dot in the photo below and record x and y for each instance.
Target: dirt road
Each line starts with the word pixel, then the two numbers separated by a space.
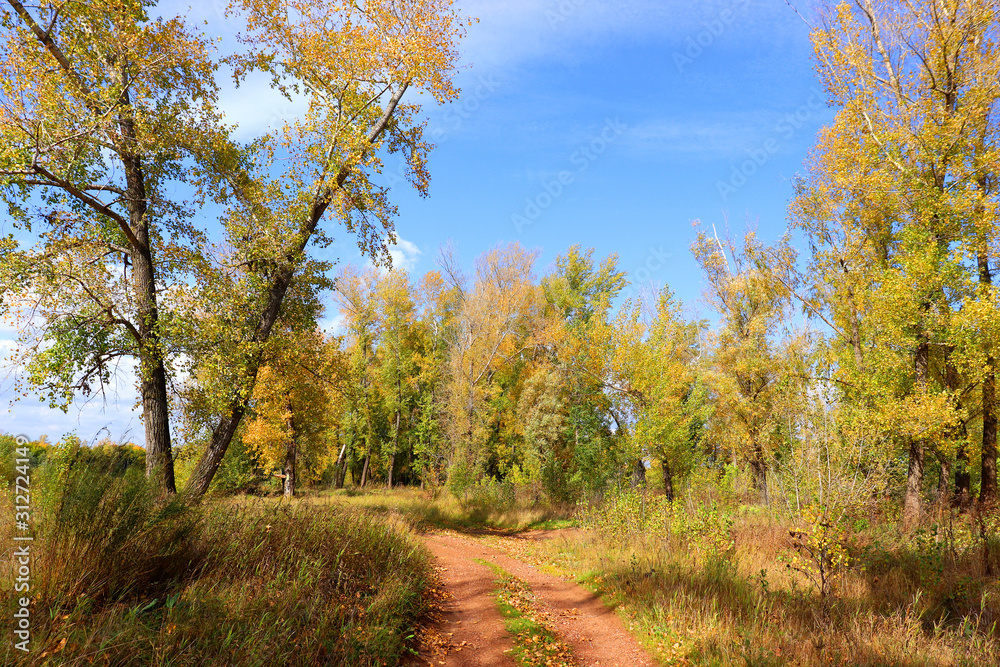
pixel 470 631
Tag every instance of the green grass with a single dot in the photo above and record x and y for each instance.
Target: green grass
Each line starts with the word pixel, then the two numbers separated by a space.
pixel 122 578
pixel 535 643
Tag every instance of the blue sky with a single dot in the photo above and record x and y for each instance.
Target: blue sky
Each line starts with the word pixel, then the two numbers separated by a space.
pixel 609 124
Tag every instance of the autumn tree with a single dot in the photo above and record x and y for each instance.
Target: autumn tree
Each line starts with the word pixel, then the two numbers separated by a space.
pixel 917 84
pixel 101 105
pixel 356 292
pixel 668 382
pixel 492 329
pixel 579 294
pixel 398 359
pixel 749 370
pixel 292 425
pixel 438 306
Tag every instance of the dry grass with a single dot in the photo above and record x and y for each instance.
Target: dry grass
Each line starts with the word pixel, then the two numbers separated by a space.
pixel 120 578
pixel 722 594
pixel 424 510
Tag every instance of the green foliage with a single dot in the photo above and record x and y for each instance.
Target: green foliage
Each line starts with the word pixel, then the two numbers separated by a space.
pixel 577 290
pixel 241 471
pixel 488 498
pixel 37 453
pixel 461 478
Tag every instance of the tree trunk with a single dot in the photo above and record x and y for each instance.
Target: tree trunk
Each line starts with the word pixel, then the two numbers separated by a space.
pixel 341 475
pixel 912 506
pixel 638 474
pixel 340 470
pixel 963 479
pixel 222 435
pixel 395 447
pixel 290 453
pixel 152 372
pixel 944 481
pixel 289 469
pixel 364 470
pixel 960 495
pixel 988 477
pixel 912 501
pixel 668 479
pixel 758 467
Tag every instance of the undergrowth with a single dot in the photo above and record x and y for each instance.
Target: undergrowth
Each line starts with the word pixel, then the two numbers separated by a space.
pixel 707 581
pixel 121 577
pixel 426 511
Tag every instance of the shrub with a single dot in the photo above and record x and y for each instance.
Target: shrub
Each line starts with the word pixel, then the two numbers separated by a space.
pixel 488 498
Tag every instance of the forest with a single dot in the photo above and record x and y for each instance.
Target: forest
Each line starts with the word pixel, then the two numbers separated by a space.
pixel 806 475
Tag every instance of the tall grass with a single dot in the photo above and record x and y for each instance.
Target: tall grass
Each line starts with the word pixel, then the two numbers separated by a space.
pixel 122 577
pixel 711 582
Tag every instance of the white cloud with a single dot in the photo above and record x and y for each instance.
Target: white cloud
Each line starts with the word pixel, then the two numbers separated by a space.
pixel 404 254
pixel 255 108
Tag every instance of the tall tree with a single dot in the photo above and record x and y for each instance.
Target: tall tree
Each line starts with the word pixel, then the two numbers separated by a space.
pixel 353 63
pixel 292 424
pixel 357 294
pixel 580 293
pixel 397 358
pixel 493 328
pixel 673 395
pixel 919 81
pixel 749 369
pixel 101 105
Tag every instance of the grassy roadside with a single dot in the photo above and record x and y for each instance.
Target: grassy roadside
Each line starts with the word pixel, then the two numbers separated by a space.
pixel 711 585
pixel 535 642
pixel 121 578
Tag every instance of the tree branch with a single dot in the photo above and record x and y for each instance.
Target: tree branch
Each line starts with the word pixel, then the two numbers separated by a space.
pixel 92 202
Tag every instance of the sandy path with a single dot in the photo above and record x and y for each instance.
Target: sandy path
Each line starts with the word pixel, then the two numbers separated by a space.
pixel 470 622
pixel 596 635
